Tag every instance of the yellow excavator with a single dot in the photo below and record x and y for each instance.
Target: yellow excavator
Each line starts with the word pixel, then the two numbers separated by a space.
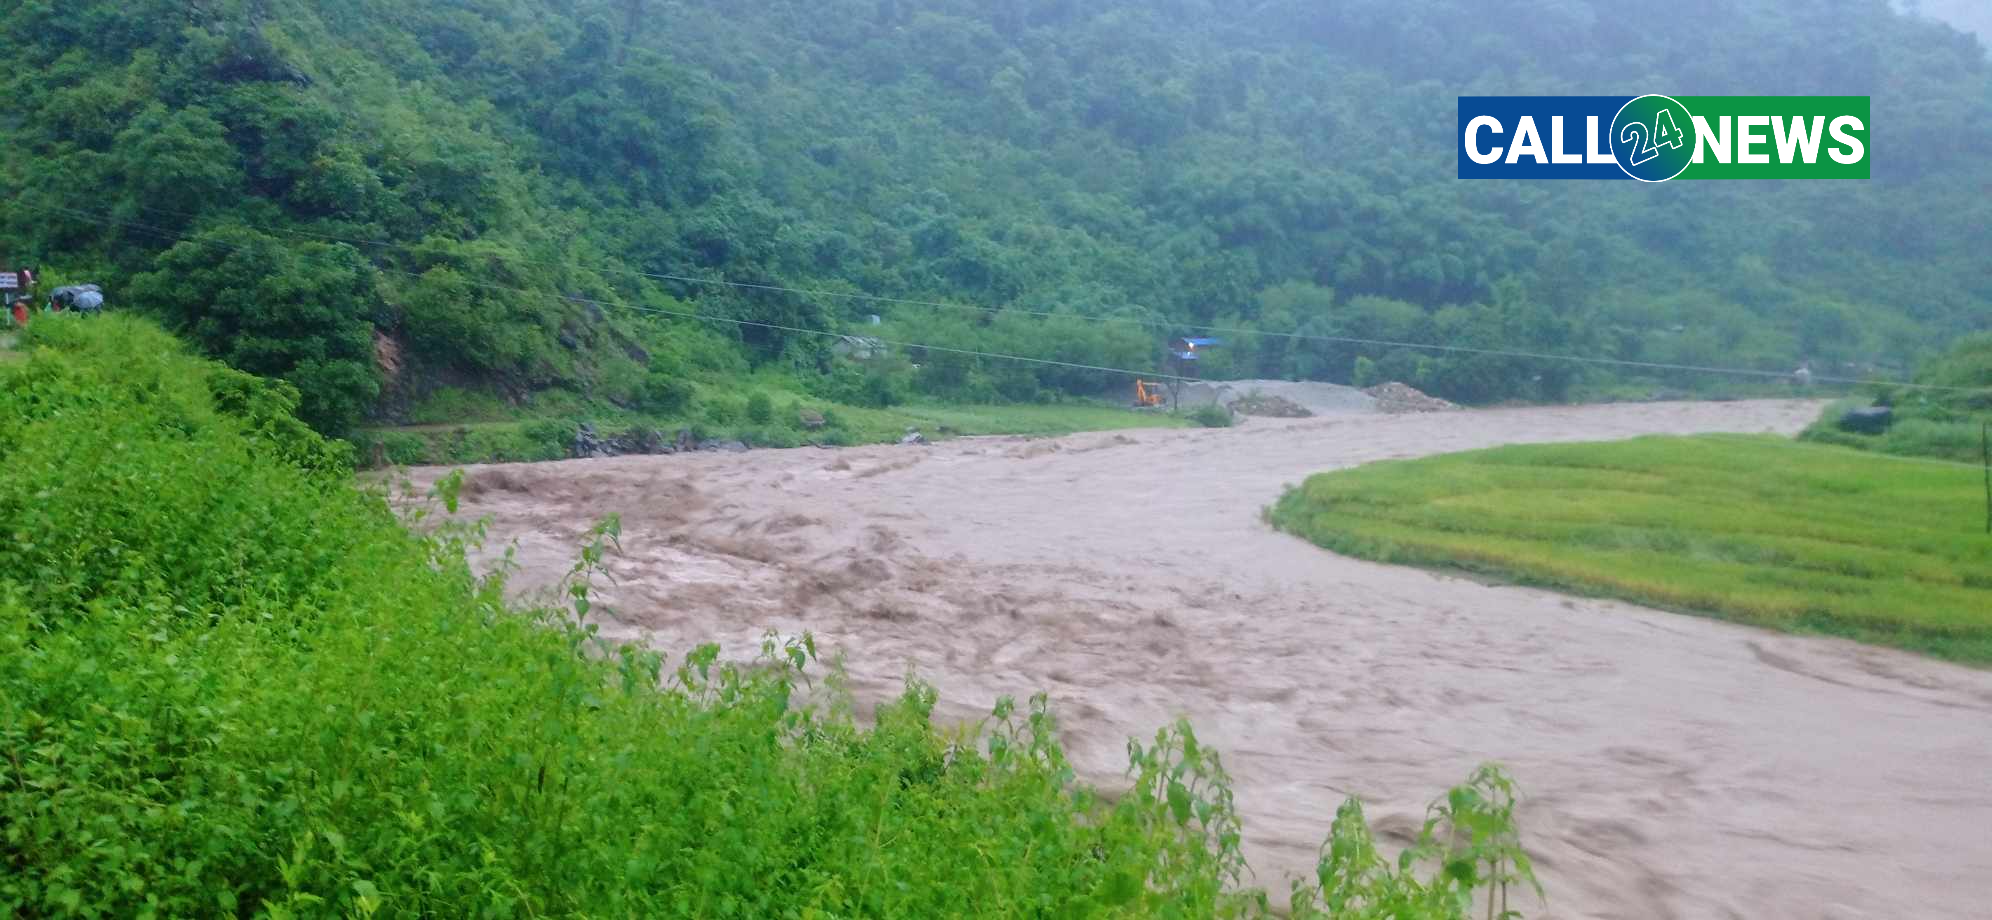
pixel 1149 395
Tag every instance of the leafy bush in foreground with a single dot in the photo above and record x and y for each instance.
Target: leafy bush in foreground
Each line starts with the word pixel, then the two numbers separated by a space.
pixel 232 683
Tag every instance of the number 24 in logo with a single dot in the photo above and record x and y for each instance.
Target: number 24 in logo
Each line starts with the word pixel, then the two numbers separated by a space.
pixel 1665 134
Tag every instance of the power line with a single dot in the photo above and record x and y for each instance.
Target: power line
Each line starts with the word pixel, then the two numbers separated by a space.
pixel 700 317
pixel 1346 340
pixel 1150 324
pixel 155 231
pixel 1310 337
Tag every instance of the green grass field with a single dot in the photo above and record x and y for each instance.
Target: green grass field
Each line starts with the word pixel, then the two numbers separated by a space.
pixel 1754 529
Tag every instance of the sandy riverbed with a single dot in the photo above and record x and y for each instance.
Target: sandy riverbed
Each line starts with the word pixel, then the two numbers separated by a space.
pixel 1675 766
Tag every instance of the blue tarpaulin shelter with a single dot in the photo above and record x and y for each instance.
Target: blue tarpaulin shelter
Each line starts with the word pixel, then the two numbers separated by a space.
pixel 1186 348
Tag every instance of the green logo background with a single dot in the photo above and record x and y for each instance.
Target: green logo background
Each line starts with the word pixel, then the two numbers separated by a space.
pixel 1713 108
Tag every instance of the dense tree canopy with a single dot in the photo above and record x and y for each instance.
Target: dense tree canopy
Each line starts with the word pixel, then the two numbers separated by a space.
pixel 478 178
pixel 295 312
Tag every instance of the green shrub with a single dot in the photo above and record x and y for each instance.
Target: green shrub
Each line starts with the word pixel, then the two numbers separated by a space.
pixel 550 438
pixel 771 436
pixel 1018 383
pixel 1942 423
pixel 127 479
pixel 402 449
pixel 877 384
pixel 533 442
pixel 375 449
pixel 760 409
pixel 1957 439
pixel 1211 416
pixel 1470 832
pixel 620 380
pixel 722 411
pixel 667 395
pixel 1365 374
pixel 1919 430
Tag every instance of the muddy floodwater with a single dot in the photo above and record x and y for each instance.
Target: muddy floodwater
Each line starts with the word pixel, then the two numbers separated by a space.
pixel 1674 766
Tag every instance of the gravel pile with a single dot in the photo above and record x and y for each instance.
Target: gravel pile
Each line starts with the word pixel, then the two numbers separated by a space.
pixel 1398 398
pixel 1314 397
pixel 1268 406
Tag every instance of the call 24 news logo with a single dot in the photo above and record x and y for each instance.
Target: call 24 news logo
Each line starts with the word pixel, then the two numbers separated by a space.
pixel 1656 138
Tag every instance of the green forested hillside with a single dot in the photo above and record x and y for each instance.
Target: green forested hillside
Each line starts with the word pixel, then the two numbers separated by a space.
pixel 281 179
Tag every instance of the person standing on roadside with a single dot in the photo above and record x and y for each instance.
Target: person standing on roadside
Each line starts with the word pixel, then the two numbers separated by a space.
pixel 21 312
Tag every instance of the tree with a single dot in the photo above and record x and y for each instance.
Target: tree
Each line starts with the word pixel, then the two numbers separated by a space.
pixel 298 312
pixel 176 163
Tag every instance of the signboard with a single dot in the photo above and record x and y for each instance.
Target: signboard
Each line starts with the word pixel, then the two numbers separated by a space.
pixel 10 281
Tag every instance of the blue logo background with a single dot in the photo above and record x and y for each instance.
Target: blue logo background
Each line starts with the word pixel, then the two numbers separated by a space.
pixel 1510 109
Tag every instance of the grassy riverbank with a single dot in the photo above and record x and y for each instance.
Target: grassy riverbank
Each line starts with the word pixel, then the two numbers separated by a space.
pixel 1754 529
pixel 535 439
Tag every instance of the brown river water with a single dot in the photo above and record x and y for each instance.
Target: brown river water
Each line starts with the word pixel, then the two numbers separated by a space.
pixel 1673 766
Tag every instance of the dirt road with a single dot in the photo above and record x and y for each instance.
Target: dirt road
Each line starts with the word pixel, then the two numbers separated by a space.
pixel 1676 766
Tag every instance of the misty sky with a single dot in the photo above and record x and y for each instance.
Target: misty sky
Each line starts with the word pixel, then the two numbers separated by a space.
pixel 1970 15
